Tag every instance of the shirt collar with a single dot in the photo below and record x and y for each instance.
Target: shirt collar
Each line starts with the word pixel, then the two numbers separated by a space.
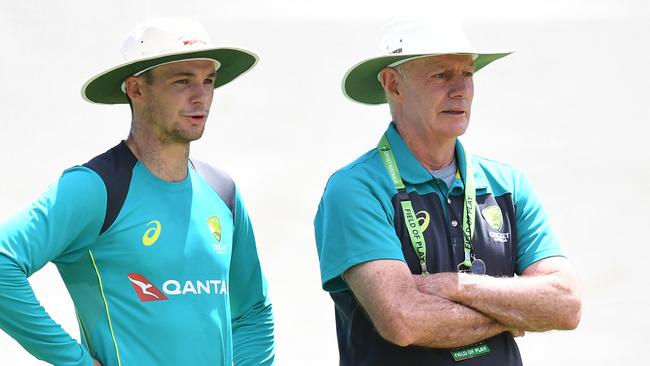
pixel 412 170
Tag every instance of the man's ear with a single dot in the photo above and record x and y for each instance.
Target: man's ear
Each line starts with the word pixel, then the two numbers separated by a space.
pixel 390 81
pixel 134 86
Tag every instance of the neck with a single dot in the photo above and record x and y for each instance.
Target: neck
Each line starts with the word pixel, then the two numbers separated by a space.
pixel 432 151
pixel 165 160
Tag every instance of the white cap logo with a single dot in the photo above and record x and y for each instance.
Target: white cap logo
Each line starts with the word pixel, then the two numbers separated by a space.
pixel 164 35
pixel 417 37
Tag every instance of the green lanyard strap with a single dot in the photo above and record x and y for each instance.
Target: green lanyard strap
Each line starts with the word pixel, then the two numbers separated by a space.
pixel 412 224
pixel 469 210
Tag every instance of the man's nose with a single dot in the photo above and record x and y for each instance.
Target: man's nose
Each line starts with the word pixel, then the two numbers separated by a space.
pixel 462 87
pixel 202 94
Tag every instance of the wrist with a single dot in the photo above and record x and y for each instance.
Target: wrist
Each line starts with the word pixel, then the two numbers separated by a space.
pixel 464 286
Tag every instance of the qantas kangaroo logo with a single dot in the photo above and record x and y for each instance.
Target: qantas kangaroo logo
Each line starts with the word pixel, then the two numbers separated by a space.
pixel 145 289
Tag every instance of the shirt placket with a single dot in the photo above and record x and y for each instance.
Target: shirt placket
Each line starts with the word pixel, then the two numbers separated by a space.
pixel 453 203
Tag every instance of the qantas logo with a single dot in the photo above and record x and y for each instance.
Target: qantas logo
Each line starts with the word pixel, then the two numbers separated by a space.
pixel 145 290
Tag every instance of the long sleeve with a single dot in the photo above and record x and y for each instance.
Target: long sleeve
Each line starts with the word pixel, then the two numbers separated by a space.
pixel 252 314
pixel 57 227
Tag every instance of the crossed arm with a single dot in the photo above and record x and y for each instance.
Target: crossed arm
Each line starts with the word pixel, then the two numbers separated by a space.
pixel 447 310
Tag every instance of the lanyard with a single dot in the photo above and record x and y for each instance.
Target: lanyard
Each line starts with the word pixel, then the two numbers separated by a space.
pixel 412 224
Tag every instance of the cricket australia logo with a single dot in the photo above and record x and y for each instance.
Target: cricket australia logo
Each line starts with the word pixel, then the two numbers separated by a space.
pixel 493 216
pixel 215 227
pixel 214 224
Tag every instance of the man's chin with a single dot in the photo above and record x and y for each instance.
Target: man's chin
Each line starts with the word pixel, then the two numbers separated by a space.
pixel 186 137
pixel 454 130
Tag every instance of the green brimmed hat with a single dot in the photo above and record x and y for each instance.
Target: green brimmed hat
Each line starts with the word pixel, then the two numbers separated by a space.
pixel 163 41
pixel 404 41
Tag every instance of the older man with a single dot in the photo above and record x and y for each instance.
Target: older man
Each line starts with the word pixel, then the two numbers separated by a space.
pixel 157 251
pixel 434 256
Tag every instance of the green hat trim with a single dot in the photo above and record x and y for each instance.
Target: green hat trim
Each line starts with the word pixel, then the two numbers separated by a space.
pixel 106 87
pixel 361 84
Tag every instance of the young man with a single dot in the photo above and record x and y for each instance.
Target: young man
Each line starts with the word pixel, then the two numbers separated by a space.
pixel 434 256
pixel 157 251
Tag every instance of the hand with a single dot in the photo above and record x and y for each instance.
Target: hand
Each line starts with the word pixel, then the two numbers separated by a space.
pixel 96 363
pixel 517 332
pixel 443 284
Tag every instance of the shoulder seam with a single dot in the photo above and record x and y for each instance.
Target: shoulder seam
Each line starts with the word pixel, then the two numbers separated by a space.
pixel 220 182
pixel 115 168
pixel 353 165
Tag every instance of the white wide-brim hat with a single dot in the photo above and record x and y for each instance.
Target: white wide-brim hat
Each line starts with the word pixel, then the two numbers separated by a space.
pixel 404 41
pixel 162 41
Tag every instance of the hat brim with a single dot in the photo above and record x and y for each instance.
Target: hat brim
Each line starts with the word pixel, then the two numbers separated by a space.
pixel 106 87
pixel 360 83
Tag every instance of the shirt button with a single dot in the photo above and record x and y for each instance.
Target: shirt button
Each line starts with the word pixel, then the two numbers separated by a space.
pixel 449 201
pixel 454 223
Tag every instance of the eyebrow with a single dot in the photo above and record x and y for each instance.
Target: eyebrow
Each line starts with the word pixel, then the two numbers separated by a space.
pixel 191 74
pixel 448 65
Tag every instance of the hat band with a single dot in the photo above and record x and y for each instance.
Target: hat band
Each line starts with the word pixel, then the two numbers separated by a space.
pixel 217 65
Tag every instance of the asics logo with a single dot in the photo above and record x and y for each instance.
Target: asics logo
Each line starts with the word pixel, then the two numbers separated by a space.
pixel 151 235
pixel 145 290
pixel 423 220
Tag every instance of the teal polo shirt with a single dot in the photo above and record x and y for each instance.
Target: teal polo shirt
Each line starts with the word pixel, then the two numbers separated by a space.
pixel 359 219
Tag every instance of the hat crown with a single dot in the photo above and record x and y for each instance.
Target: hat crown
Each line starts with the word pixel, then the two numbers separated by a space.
pixel 424 37
pixel 164 35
